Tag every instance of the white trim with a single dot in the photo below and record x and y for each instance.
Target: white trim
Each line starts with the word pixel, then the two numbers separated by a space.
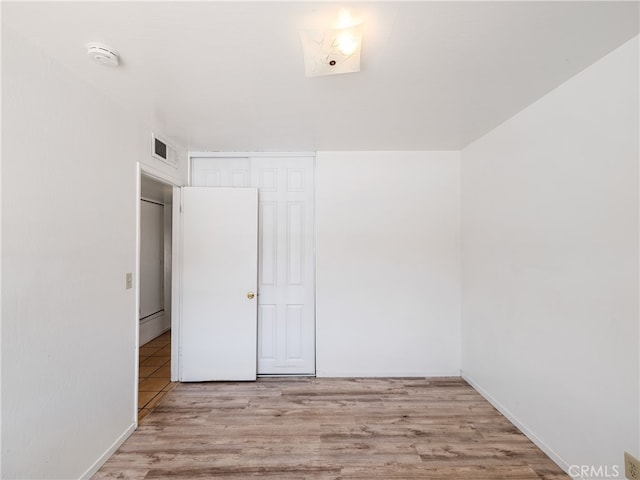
pixel 521 426
pixel 384 374
pixel 153 326
pixel 158 175
pixel 315 266
pixel 1 202
pixel 136 284
pixel 91 471
pixel 176 282
pixel 167 255
pixel 249 154
pixel 189 169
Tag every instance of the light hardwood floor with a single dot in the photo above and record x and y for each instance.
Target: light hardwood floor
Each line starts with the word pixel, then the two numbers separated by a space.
pixel 318 428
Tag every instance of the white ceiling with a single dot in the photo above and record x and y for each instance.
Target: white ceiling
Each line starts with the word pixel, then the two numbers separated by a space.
pixel 229 76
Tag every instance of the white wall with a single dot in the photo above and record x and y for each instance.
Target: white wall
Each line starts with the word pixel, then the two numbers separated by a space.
pixel 550 251
pixel 154 307
pixel 388 263
pixel 69 199
pixel 151 258
pixel 550 265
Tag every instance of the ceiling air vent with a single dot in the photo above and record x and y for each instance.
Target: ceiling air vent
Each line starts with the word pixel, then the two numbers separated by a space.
pixel 164 152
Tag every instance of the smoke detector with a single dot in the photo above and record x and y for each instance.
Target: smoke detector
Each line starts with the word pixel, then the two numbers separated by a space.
pixel 103 54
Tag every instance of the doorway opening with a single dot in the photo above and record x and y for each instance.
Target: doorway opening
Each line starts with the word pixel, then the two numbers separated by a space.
pixel 154 302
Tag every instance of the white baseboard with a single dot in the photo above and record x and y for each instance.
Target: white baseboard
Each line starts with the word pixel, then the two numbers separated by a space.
pixel 522 427
pixel 387 374
pixel 153 326
pixel 106 455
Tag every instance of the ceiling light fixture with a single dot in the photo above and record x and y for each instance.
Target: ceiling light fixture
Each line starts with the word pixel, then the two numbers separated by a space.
pixel 103 54
pixel 347 43
pixel 333 51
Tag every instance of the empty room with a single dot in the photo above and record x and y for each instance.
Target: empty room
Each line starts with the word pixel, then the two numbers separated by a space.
pixel 320 240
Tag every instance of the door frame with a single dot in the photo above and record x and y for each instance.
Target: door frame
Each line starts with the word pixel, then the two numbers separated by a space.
pixel 149 171
pixel 246 155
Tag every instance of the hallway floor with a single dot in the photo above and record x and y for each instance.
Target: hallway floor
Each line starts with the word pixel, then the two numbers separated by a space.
pixel 154 373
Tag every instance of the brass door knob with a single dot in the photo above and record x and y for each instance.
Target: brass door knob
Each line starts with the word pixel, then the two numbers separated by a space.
pixel 250 295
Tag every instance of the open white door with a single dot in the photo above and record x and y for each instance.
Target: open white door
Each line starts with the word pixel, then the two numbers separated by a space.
pixel 218 334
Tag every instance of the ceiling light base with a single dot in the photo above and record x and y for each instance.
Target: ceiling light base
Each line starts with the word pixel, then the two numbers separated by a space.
pixel 331 52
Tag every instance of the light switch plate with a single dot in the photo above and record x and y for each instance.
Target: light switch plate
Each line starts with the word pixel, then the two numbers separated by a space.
pixel 129 281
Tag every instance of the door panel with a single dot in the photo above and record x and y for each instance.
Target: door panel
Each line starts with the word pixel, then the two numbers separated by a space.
pixel 225 172
pixel 286 312
pixel 219 261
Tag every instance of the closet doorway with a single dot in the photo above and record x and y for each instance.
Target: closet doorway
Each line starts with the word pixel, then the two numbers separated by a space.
pixel 286 273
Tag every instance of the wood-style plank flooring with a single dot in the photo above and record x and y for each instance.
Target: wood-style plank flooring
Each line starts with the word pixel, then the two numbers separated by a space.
pixel 318 428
